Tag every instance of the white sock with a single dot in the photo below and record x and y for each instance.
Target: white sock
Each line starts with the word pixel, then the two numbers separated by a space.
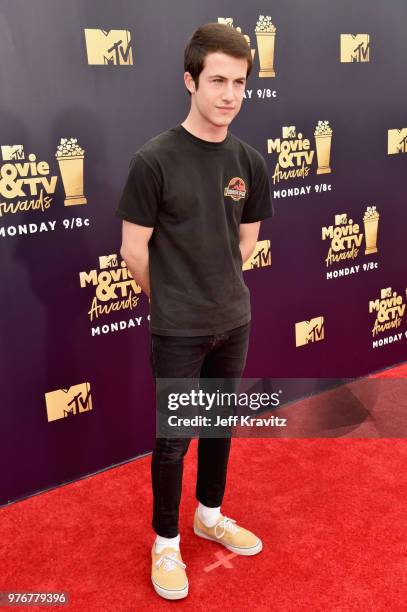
pixel 208 516
pixel 161 543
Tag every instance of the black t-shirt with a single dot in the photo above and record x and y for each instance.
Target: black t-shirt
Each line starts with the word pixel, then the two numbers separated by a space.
pixel 195 193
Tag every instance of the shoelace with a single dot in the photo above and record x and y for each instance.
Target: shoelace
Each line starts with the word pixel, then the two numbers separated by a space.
pixel 170 562
pixel 227 525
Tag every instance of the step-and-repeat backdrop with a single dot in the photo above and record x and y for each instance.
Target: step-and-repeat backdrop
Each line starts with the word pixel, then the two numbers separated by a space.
pixel 83 86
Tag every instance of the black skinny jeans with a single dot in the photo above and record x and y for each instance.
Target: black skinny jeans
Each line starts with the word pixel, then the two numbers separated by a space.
pixel 215 356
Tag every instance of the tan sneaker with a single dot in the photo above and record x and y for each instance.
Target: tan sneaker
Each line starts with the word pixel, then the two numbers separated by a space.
pixel 232 536
pixel 168 573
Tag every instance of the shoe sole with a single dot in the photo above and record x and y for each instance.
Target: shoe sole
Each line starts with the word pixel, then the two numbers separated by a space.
pixel 169 593
pixel 247 552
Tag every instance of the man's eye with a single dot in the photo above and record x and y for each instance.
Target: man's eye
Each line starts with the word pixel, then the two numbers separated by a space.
pixel 218 80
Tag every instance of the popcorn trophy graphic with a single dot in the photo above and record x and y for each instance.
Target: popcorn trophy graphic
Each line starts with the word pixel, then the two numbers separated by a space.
pixel 371 221
pixel 323 139
pixel 70 159
pixel 266 35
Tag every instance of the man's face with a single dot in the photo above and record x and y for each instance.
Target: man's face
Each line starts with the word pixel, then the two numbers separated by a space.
pixel 221 88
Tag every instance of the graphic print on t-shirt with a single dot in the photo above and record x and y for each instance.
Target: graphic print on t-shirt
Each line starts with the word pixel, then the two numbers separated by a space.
pixel 236 189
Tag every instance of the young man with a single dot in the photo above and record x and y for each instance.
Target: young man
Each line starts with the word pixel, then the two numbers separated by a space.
pixel 191 209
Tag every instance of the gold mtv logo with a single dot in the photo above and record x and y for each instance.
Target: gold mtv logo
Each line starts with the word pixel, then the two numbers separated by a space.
pixel 108 47
pixel 265 32
pixel 341 219
pixel 108 261
pixel 289 131
pixel 226 20
pixel 10 153
pixel 355 47
pixel 309 331
pixel 396 141
pixel 229 21
pixel 68 402
pixel 261 256
pixel 385 293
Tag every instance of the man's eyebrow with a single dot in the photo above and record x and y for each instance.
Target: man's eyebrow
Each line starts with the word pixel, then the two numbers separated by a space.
pixel 219 76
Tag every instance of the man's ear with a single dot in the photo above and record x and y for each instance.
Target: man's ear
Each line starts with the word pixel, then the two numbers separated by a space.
pixel 189 82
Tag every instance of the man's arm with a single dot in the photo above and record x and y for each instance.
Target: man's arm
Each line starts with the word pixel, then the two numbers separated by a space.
pixel 134 251
pixel 248 237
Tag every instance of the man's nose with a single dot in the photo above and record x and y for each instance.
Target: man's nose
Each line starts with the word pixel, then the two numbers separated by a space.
pixel 228 91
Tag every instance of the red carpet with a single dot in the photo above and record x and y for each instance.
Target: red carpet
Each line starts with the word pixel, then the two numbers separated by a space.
pixel 331 513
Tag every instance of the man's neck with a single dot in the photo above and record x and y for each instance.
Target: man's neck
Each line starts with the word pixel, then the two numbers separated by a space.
pixel 209 132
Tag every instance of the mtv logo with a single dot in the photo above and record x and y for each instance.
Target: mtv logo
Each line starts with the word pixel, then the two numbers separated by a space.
pixel 289 131
pixel 68 402
pixel 229 21
pixel 108 47
pixel 10 153
pixel 355 48
pixel 260 257
pixel 385 293
pixel 341 219
pixel 226 20
pixel 108 261
pixel 396 141
pixel 309 331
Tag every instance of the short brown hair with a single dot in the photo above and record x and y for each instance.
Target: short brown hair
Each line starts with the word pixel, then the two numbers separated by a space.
pixel 210 38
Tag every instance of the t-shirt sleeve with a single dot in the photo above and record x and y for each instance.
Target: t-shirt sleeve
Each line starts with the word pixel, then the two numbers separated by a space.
pixel 259 204
pixel 140 199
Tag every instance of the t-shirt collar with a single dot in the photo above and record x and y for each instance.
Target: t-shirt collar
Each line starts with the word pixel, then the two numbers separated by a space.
pixel 208 144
